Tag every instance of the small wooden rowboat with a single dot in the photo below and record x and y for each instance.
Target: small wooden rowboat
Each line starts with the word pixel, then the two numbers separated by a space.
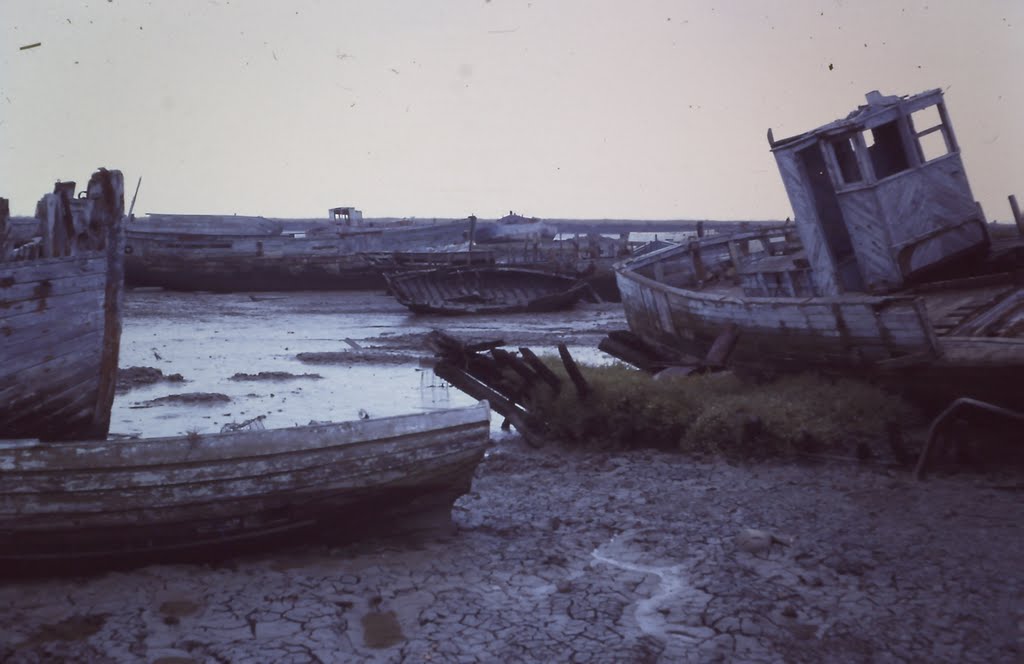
pixel 136 500
pixel 485 290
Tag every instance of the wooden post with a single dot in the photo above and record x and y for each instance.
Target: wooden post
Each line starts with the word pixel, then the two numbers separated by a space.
pixel 47 223
pixel 5 214
pixel 582 388
pixel 1017 218
pixel 107 189
pixel 698 263
pixel 64 231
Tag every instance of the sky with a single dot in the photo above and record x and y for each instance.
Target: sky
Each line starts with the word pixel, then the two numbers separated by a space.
pixel 647 109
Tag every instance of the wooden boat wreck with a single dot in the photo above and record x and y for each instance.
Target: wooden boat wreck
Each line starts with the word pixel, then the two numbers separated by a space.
pixel 224 254
pixel 60 313
pixel 484 290
pixel 890 271
pixel 196 495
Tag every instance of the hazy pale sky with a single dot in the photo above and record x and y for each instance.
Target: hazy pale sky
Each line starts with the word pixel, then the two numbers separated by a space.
pixel 567 108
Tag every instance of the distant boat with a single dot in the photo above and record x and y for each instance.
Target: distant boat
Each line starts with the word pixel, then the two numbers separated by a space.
pixel 515 228
pixel 200 495
pixel 61 287
pixel 890 271
pixel 227 254
pixel 484 290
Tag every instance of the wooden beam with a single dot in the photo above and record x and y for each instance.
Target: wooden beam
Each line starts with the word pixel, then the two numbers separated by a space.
pixel 582 387
pixel 5 215
pixel 499 404
pixel 721 349
pixel 626 353
pixel 1017 218
pixel 507 359
pixel 546 374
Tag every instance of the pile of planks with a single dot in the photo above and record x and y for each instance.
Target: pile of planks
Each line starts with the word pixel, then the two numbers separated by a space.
pixel 512 383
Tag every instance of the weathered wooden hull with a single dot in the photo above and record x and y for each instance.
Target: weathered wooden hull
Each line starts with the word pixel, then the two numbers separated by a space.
pixel 488 290
pixel 893 338
pixel 515 232
pixel 136 500
pixel 60 331
pixel 261 262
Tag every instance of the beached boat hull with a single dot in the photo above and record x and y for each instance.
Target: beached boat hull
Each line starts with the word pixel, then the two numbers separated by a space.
pixel 487 290
pixel 909 340
pixel 890 270
pixel 138 500
pixel 269 262
pixel 60 325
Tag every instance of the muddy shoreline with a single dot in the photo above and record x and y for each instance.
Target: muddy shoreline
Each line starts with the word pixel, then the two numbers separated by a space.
pixel 566 556
pixel 554 554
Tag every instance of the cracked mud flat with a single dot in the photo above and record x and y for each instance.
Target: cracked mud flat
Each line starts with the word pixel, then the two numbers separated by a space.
pixel 555 556
pixel 559 556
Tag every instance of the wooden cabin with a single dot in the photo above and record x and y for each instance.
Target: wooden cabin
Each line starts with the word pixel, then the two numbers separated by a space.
pixel 881 197
pixel 345 216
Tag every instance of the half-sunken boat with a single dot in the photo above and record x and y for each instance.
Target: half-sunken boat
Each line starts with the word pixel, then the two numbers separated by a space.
pixel 60 313
pixel 484 290
pixel 889 272
pixel 206 494
pixel 227 254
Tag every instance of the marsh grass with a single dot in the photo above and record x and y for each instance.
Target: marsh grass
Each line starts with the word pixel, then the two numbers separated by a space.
pixel 720 413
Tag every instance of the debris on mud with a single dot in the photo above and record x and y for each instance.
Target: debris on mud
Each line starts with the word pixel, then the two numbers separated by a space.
pixel 131 377
pixel 274 375
pixel 358 356
pixel 618 407
pixel 186 399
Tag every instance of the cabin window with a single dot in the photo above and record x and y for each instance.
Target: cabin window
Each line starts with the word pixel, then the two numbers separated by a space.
pixel 931 133
pixel 845 151
pixel 886 148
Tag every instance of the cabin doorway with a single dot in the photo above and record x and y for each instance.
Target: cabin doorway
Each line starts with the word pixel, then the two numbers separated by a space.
pixel 830 218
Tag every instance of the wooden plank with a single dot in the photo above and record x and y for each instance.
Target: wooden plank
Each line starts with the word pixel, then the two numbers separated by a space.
pixel 146 489
pixel 582 387
pixel 28 456
pixel 37 334
pixel 80 350
pixel 1017 217
pixel 543 371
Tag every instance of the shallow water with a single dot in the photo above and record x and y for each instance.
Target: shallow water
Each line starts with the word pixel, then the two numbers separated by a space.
pixel 208 338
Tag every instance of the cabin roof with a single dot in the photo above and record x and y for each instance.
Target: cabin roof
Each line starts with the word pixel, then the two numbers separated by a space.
pixel 878 110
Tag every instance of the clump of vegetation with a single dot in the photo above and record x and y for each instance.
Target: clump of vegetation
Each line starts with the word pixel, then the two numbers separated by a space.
pixel 721 413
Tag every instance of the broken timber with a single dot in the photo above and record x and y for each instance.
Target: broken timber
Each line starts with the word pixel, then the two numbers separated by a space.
pixel 511 383
pixel 653 358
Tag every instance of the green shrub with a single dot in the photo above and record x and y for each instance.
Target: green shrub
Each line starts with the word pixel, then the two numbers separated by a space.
pixel 718 413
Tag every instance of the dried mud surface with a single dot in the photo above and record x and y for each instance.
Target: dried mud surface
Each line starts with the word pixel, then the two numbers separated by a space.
pixel 562 556
pixel 555 555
